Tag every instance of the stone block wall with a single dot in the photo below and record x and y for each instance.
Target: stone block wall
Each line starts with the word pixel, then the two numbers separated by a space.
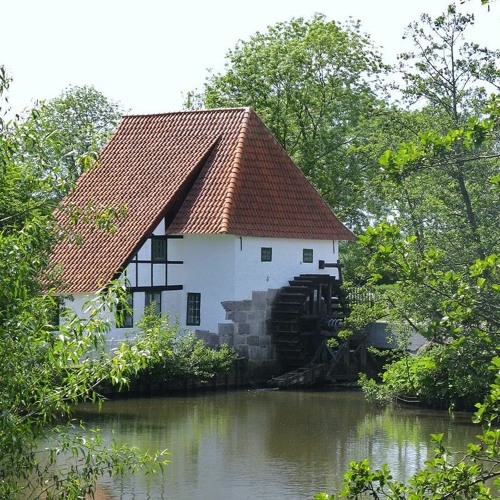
pixel 249 333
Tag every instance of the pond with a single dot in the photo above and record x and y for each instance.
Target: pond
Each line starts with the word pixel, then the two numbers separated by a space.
pixel 267 444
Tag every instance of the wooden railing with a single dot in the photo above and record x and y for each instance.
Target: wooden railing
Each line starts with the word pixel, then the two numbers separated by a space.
pixel 360 295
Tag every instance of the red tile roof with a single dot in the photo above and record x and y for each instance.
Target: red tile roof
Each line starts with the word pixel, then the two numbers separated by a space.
pixel 209 172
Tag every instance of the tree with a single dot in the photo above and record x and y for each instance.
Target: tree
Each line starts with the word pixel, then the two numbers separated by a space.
pixel 461 320
pixel 449 77
pixel 444 191
pixel 440 248
pixel 448 475
pixel 47 368
pixel 12 200
pixel 43 373
pixel 314 84
pixel 446 70
pixel 63 136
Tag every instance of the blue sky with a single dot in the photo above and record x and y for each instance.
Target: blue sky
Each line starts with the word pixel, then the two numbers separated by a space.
pixel 147 53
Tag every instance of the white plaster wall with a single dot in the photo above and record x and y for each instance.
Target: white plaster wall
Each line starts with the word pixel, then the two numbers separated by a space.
pixel 160 228
pixel 78 303
pixel 209 268
pixel 253 275
pixel 224 268
pixel 175 252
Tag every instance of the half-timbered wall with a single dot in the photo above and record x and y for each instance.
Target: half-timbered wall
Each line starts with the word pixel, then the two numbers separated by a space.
pixel 150 267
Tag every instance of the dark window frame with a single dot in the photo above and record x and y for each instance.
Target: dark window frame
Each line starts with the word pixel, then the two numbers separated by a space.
pixel 158 249
pixel 193 309
pixel 56 309
pixel 128 315
pixel 266 254
pixel 307 255
pixel 135 262
pixel 151 296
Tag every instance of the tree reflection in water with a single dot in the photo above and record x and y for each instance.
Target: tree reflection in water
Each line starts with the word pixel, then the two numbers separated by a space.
pixel 268 444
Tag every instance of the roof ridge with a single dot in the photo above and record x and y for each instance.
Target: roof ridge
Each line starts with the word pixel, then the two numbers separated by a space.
pixel 235 169
pixel 185 111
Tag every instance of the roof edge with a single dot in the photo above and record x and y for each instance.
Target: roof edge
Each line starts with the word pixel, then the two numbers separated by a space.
pixel 235 170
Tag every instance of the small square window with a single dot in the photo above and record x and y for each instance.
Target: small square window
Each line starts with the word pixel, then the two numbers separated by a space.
pixel 193 315
pixel 307 255
pixel 153 298
pixel 158 249
pixel 266 254
pixel 125 313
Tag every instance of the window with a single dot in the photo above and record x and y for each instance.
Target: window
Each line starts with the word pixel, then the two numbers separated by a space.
pixel 153 298
pixel 307 255
pixel 55 310
pixel 266 254
pixel 125 313
pixel 193 309
pixel 158 249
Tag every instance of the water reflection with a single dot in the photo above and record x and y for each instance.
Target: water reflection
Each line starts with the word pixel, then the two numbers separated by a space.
pixel 268 444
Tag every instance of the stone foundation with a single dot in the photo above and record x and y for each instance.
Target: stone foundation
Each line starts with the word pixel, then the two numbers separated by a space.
pixel 249 333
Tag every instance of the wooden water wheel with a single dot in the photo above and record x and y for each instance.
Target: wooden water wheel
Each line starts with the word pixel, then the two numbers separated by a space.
pixel 304 314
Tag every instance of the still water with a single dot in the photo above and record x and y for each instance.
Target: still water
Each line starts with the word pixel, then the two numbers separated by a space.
pixel 267 444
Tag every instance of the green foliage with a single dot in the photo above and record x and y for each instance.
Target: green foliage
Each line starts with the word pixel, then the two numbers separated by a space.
pixel 61 137
pixel 459 314
pixel 47 368
pixel 440 253
pixel 466 475
pixel 367 305
pixel 439 181
pixel 72 443
pixel 444 376
pixel 439 250
pixel 183 357
pixel 42 156
pixel 314 84
pixel 438 302
pixel 454 89
pixel 374 393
